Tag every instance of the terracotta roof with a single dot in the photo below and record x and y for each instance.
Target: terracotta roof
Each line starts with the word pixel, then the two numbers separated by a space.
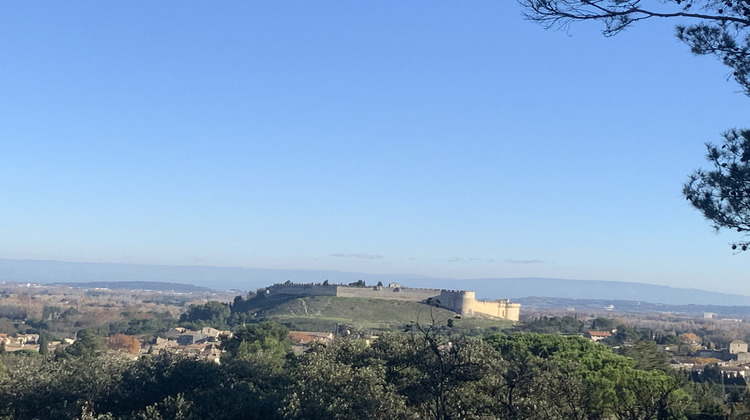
pixel 305 337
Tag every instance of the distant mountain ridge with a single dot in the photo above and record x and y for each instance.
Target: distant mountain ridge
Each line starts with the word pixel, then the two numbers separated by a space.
pixel 590 289
pixel 240 278
pixel 137 285
pixel 631 306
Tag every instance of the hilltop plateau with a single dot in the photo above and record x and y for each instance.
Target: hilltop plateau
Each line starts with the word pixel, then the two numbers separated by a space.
pixel 328 313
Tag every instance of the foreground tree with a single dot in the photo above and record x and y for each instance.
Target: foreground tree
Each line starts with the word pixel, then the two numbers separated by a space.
pixel 559 377
pixel 714 27
pixel 212 314
pixel 722 194
pixel 422 375
pixel 268 339
pixel 343 380
pixel 720 28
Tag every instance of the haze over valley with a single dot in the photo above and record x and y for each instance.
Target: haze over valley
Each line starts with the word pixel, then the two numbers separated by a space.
pixel 250 279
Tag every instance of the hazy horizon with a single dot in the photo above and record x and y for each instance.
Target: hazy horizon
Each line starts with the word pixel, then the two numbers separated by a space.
pixel 250 279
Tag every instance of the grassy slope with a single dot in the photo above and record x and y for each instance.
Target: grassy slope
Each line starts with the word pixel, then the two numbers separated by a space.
pixel 323 313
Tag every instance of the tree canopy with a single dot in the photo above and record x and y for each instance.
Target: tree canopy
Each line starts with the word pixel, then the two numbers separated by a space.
pixel 708 27
pixel 422 375
pixel 722 194
pixel 266 338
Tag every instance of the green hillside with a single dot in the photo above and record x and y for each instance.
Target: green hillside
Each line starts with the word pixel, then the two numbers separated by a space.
pixel 324 313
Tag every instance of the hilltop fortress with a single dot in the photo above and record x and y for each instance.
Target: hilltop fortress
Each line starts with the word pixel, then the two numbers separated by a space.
pixel 459 301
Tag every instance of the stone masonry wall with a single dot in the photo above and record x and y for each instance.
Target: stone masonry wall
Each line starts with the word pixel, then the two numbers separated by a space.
pixel 466 304
pixel 391 293
pixel 496 308
pixel 303 289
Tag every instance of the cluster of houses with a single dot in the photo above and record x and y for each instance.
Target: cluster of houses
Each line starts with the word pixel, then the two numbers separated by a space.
pixel 597 335
pixel 733 361
pixel 28 342
pixel 206 343
pixel 202 344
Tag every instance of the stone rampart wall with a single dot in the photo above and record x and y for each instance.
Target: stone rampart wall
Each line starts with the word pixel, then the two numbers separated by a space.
pixel 459 301
pixel 465 303
pixel 453 300
pixel 392 293
pixel 303 289
pixel 513 311
pixel 497 308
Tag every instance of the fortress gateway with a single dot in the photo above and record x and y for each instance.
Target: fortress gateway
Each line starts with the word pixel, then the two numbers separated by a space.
pixel 459 301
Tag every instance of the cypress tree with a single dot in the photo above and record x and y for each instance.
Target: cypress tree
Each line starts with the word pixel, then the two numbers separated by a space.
pixel 43 343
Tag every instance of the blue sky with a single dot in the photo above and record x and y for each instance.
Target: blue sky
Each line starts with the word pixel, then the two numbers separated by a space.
pixel 436 138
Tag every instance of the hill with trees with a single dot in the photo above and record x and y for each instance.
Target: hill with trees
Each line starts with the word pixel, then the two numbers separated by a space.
pixel 328 313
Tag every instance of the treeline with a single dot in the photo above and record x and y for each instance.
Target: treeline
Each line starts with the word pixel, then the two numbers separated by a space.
pixel 415 375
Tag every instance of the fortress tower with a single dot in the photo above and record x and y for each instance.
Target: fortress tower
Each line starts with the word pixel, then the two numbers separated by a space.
pixel 465 303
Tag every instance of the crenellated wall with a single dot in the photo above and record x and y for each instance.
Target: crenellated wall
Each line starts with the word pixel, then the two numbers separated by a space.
pixel 391 293
pixel 303 289
pixel 452 299
pixel 461 301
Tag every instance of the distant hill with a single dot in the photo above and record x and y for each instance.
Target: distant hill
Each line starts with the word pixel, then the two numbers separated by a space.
pixel 631 306
pixel 325 313
pixel 240 278
pixel 514 288
pixel 138 285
